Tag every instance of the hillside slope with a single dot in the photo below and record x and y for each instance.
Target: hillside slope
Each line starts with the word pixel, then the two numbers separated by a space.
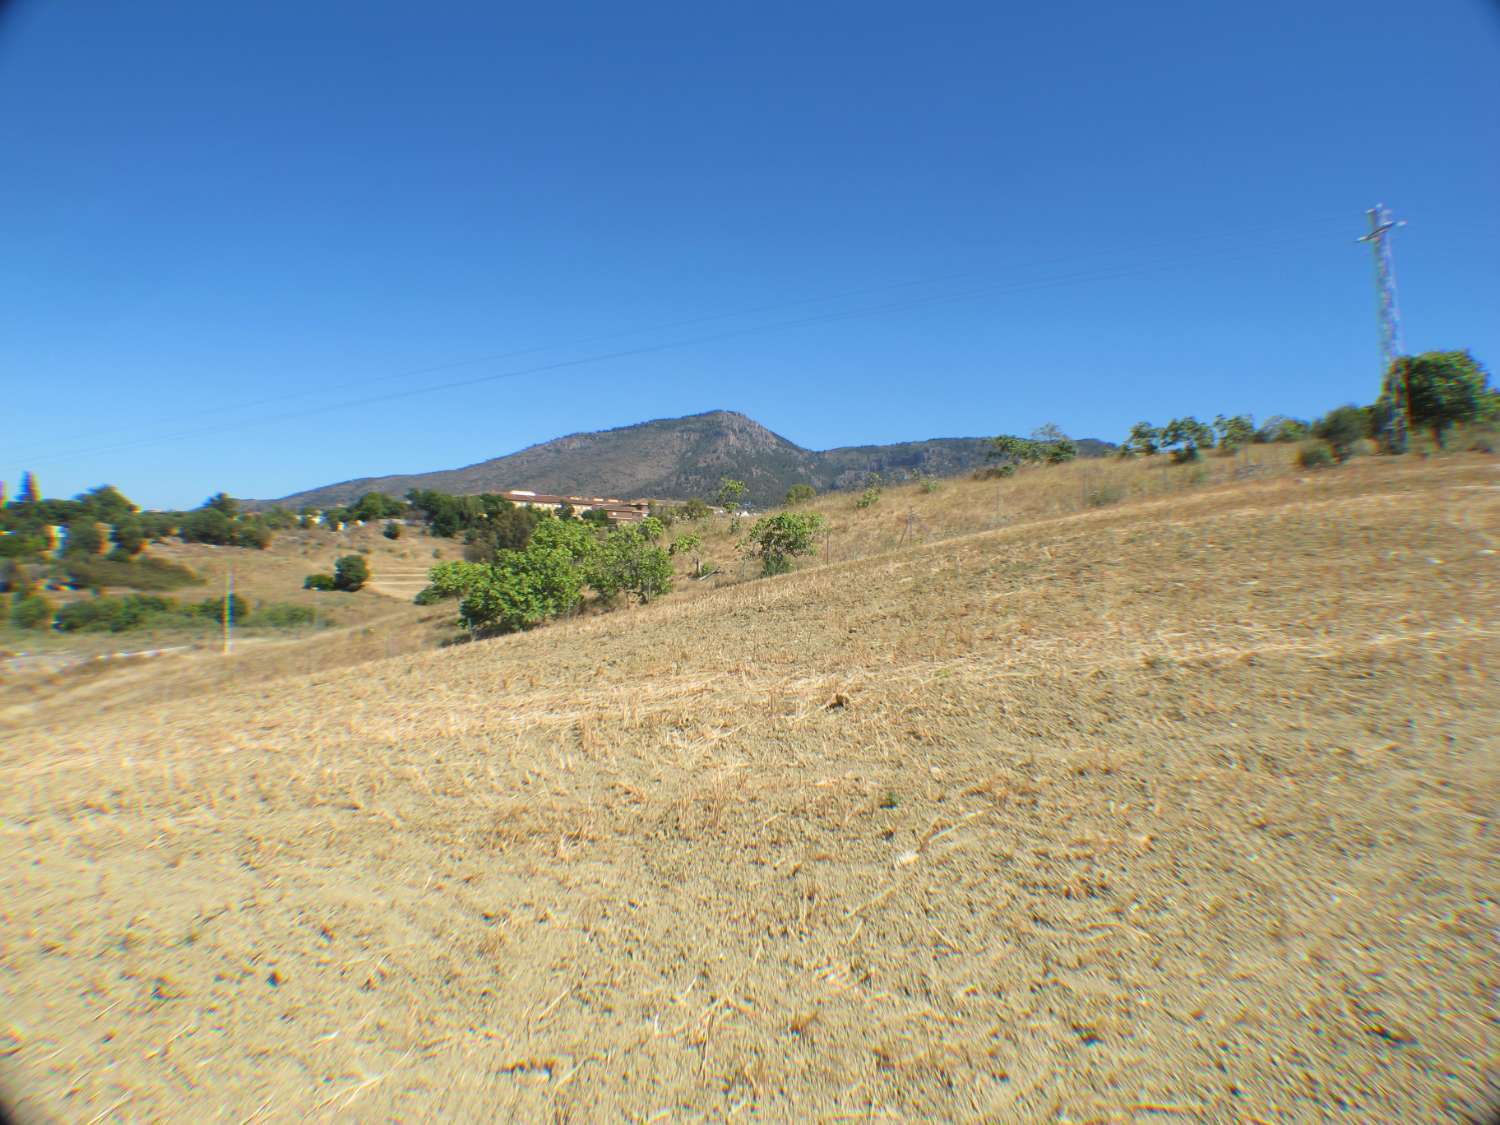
pixel 1178 809
pixel 675 458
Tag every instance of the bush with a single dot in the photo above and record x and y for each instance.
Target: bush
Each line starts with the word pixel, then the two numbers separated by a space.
pixel 1184 437
pixel 776 540
pixel 206 525
pixel 1314 455
pixel 799 494
pixel 995 472
pixel 214 609
pixel 927 484
pixel 128 536
pixel 283 615
pixel 391 530
pixel 31 612
pixel 1341 428
pixel 868 498
pixel 629 561
pixel 350 573
pixel 114 615
pixel 318 582
pixel 85 539
pixel 521 590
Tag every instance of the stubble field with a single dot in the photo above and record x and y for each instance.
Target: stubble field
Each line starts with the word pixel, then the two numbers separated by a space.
pixel 1180 808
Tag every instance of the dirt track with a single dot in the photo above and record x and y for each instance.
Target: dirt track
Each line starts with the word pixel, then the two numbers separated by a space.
pixel 1147 814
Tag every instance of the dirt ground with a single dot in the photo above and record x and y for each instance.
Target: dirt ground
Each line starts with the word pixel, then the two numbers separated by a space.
pixel 1180 809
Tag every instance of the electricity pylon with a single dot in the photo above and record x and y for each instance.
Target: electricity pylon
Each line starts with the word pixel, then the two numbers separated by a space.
pixel 1392 373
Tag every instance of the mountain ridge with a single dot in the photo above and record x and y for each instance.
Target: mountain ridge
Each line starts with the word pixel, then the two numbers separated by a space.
pixel 674 459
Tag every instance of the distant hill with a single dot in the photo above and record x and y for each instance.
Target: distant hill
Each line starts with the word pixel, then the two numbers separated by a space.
pixel 677 458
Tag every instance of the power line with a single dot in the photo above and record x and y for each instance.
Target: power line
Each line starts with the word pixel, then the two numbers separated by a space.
pixel 686 322
pixel 819 318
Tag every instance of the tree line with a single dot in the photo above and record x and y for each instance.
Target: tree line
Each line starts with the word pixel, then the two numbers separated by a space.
pixel 1441 390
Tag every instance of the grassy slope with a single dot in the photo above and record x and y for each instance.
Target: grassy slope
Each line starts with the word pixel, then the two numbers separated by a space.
pixel 1180 803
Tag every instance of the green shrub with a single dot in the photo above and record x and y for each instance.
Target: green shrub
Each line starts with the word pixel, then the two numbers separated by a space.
pixel 283 615
pixel 1341 428
pixel 995 472
pixel 391 530
pixel 799 494
pixel 85 538
pixel 629 561
pixel 350 573
pixel 1314 455
pixel 318 582
pixel 116 615
pixel 776 540
pixel 868 498
pixel 31 612
pixel 214 609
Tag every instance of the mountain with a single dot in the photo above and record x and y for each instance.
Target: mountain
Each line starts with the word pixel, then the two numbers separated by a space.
pixel 677 458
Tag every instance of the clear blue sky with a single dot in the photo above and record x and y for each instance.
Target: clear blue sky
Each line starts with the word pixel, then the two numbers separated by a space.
pixel 218 220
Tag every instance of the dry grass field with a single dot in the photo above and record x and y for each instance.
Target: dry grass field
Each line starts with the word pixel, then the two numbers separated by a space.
pixel 1175 804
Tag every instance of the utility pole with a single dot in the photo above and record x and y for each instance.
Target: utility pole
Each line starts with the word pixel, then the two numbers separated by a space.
pixel 1392 374
pixel 229 612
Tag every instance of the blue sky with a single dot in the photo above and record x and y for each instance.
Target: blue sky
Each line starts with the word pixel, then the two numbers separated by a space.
pixel 228 227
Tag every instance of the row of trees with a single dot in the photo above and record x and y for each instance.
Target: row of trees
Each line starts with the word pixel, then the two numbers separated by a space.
pixel 103 520
pixel 1442 390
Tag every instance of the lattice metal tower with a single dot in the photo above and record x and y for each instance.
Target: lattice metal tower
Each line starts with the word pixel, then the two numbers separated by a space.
pixel 1393 378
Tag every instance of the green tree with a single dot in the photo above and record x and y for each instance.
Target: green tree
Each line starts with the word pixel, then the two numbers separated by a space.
pixel 1016 450
pixel 318 582
pixel 450 580
pixel 1279 428
pixel 29 493
pixel 85 538
pixel 1053 446
pixel 1442 390
pixel 730 494
pixel 106 503
pixel 128 536
pixel 522 589
pixel 629 561
pixel 391 530
pixel 1184 437
pixel 215 609
pixel 1234 432
pixel 206 525
pixel 223 502
pixel 778 539
pixel 799 494
pixel 1144 441
pixel 694 510
pixel 350 573
pixel 688 545
pixel 1341 428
